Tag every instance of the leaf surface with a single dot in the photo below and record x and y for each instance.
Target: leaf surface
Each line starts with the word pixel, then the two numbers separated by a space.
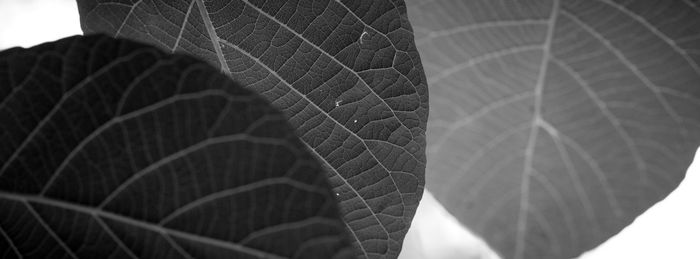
pixel 555 123
pixel 115 149
pixel 346 73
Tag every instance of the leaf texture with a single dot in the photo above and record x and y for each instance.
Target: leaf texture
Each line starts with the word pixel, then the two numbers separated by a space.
pixel 346 73
pixel 115 149
pixel 555 123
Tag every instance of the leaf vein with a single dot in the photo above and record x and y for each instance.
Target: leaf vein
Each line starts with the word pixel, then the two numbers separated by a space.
pixel 48 229
pixel 12 244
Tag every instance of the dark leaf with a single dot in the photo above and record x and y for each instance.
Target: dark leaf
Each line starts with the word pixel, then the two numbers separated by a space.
pixel 113 149
pixel 555 123
pixel 346 73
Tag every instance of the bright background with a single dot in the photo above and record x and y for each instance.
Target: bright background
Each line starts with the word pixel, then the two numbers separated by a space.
pixel 670 229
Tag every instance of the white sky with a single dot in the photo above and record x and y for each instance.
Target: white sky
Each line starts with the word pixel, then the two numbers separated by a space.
pixel 670 229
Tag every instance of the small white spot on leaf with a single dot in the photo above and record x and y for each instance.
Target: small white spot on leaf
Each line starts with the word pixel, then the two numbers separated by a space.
pixel 362 36
pixel 338 102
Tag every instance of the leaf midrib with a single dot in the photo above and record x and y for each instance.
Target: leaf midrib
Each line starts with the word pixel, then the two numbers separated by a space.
pixel 213 37
pixel 537 121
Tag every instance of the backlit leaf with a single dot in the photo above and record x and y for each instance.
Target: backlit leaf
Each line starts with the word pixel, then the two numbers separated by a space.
pixel 113 149
pixel 555 123
pixel 346 73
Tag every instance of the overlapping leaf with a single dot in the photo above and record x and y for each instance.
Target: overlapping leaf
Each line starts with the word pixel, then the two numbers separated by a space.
pixel 555 123
pixel 113 149
pixel 346 73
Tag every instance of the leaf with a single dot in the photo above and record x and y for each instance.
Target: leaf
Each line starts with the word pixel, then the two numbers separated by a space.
pixel 113 149
pixel 346 73
pixel 555 123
